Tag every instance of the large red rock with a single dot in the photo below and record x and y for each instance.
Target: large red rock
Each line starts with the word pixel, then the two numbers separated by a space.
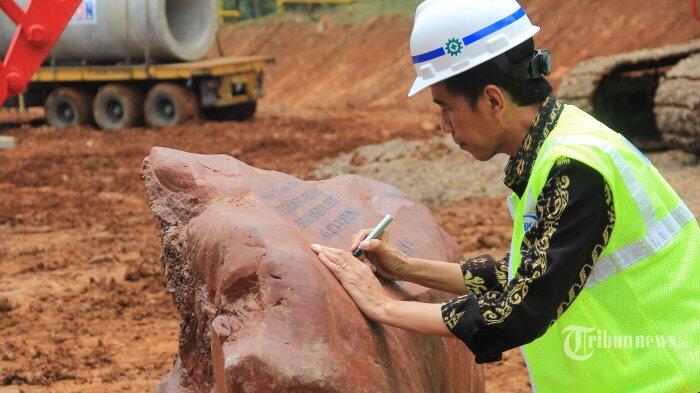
pixel 259 312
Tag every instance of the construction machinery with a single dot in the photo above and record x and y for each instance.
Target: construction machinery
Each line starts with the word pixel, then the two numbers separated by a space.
pixel 122 63
pixel 33 33
pixel 36 32
pixel 652 96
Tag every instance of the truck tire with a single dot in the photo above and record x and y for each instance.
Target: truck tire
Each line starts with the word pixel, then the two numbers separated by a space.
pixel 118 106
pixel 241 112
pixel 170 104
pixel 67 106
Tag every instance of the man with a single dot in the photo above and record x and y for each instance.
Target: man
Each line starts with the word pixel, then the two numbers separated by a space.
pixel 600 287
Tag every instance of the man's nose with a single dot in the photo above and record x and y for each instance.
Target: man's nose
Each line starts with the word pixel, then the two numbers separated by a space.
pixel 446 124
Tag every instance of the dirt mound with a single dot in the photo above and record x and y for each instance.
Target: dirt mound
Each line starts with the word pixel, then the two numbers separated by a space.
pixel 432 170
pixel 326 65
pixel 78 243
pixel 320 64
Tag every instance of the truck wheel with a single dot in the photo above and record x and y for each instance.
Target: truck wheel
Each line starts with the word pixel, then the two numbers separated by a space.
pixel 67 107
pixel 117 107
pixel 169 104
pixel 241 112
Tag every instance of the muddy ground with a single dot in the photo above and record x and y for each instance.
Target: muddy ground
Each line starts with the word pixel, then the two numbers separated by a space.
pixel 83 306
pixel 82 302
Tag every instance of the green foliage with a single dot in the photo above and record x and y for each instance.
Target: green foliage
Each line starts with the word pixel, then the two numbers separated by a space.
pixel 256 8
pixel 358 11
pixel 366 9
pixel 250 9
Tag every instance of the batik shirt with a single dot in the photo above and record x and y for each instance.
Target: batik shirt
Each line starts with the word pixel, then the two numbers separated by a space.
pixel 575 217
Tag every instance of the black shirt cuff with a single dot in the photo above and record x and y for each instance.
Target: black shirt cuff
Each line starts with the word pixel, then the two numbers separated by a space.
pixel 463 318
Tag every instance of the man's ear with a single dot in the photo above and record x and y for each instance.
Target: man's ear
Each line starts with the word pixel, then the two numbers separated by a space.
pixel 496 100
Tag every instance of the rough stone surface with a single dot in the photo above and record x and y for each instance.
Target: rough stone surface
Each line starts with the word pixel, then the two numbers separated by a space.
pixel 259 312
pixel 581 84
pixel 676 101
pixel 677 105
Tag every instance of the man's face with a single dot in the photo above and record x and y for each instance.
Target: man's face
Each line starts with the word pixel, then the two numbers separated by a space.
pixel 474 129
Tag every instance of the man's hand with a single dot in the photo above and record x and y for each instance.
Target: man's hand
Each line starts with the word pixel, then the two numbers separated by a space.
pixel 364 288
pixel 394 265
pixel 357 279
pixel 386 260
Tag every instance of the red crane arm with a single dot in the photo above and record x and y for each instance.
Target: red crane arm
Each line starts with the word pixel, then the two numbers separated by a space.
pixel 38 30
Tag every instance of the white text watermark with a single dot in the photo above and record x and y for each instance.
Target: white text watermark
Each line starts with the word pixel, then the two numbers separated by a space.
pixel 580 342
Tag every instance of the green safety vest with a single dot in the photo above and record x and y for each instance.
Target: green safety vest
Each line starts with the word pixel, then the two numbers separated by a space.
pixel 635 326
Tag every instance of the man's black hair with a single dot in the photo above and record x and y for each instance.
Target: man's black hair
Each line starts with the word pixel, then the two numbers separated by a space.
pixel 471 83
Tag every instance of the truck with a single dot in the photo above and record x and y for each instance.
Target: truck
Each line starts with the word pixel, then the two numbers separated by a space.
pixel 123 96
pixel 122 64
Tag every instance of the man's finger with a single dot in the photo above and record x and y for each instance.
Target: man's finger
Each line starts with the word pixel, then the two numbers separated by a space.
pixel 317 248
pixel 334 251
pixel 332 256
pixel 370 245
pixel 331 265
pixel 328 250
pixel 371 265
pixel 358 237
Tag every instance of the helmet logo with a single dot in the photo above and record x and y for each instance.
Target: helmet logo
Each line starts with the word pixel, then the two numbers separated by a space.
pixel 453 47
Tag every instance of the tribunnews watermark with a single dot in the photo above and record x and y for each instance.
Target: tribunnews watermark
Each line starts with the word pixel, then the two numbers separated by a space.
pixel 580 342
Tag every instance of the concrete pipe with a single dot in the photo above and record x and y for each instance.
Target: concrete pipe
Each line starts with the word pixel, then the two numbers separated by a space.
pixel 109 31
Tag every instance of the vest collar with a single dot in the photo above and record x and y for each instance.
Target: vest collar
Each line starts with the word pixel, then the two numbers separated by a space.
pixel 517 172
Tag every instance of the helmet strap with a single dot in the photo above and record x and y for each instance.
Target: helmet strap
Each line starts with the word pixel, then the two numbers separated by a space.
pixel 536 66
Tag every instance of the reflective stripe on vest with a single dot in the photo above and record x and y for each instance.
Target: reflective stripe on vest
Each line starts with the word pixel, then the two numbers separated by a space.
pixel 658 236
pixel 658 232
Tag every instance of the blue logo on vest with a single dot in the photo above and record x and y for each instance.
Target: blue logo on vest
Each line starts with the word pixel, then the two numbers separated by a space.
pixel 529 221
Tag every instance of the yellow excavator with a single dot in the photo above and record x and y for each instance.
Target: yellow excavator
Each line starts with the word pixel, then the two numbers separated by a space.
pixel 651 96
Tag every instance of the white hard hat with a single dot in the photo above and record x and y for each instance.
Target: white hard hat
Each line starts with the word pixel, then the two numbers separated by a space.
pixel 453 36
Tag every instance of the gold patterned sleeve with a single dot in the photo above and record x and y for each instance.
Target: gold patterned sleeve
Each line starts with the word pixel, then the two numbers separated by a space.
pixel 485 273
pixel 575 216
